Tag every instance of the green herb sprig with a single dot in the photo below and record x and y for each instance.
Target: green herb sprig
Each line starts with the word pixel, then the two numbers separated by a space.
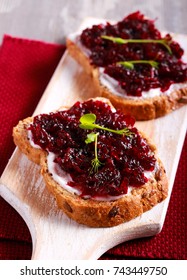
pixel 119 40
pixel 130 63
pixel 92 137
pixel 87 121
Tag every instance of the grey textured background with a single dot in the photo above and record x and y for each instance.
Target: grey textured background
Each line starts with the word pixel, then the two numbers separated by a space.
pixel 52 20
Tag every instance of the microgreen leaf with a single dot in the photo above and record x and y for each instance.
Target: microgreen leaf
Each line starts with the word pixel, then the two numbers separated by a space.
pixel 130 63
pixel 87 122
pixel 90 138
pixel 88 118
pixel 119 40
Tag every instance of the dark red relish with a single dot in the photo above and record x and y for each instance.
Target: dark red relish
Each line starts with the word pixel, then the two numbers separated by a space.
pixel 124 159
pixel 143 77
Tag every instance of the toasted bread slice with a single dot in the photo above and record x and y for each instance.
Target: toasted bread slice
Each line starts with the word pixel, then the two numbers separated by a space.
pixel 140 108
pixel 92 212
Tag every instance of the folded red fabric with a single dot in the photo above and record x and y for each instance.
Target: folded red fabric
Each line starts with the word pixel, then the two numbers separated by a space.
pixel 25 70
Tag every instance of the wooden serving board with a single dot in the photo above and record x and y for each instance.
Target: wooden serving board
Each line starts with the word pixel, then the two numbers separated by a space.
pixel 54 235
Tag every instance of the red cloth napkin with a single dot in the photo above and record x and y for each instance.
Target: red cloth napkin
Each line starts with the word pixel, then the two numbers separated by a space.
pixel 25 70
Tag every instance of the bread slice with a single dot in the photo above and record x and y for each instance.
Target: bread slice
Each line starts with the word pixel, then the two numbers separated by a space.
pixel 141 109
pixel 92 212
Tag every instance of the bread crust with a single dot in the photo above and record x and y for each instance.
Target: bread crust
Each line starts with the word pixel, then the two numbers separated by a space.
pixel 21 139
pixel 141 109
pixel 108 213
pixel 91 212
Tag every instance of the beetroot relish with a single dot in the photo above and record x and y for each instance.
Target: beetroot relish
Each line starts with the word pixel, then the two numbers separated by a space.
pixel 125 159
pixel 143 77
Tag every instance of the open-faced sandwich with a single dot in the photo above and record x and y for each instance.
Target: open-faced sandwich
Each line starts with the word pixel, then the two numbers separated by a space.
pixel 100 168
pixel 134 65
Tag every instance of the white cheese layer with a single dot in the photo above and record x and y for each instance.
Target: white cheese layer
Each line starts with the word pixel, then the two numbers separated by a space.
pixel 30 138
pixel 60 176
pixel 114 87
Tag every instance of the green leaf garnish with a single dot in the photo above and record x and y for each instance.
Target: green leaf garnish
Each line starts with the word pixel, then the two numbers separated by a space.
pixel 92 137
pixel 130 63
pixel 119 40
pixel 87 121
